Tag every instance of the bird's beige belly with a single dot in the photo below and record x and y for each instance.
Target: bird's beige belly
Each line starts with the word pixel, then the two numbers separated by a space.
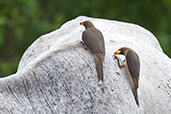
pixel 129 74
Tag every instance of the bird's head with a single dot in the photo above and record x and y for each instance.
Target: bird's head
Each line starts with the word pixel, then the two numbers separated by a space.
pixel 82 23
pixel 87 24
pixel 121 51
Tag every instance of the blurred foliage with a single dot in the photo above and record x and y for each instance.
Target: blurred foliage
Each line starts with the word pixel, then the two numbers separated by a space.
pixel 22 21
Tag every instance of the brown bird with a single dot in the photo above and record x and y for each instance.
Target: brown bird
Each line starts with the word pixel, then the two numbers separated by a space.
pixel 93 40
pixel 132 65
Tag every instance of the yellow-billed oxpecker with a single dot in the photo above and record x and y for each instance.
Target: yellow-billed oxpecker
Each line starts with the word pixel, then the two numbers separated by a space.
pixel 93 40
pixel 132 64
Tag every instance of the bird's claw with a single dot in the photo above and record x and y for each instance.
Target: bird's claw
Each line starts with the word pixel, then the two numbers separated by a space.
pixel 83 44
pixel 114 57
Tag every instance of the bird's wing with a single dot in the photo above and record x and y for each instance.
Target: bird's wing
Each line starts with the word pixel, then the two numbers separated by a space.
pixel 94 40
pixel 133 65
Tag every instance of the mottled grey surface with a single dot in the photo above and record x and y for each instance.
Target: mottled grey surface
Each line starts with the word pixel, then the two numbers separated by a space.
pixel 57 76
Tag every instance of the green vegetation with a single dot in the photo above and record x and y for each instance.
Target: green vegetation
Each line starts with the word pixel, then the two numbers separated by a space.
pixel 22 21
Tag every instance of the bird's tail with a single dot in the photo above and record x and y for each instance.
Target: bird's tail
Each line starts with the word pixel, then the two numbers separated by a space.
pixel 134 90
pixel 99 67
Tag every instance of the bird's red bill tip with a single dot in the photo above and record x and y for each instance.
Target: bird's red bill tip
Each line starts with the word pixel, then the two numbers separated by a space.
pixel 81 23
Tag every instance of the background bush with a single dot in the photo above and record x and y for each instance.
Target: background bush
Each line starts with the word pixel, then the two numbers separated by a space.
pixel 22 21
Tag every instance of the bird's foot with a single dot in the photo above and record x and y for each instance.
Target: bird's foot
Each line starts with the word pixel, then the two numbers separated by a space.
pixel 115 57
pixel 83 44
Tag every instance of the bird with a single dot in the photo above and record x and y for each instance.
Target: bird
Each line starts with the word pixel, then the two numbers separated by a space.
pixel 132 64
pixel 93 39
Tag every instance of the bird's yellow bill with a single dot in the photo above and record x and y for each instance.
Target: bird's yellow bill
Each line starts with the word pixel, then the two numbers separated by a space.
pixel 82 23
pixel 117 52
